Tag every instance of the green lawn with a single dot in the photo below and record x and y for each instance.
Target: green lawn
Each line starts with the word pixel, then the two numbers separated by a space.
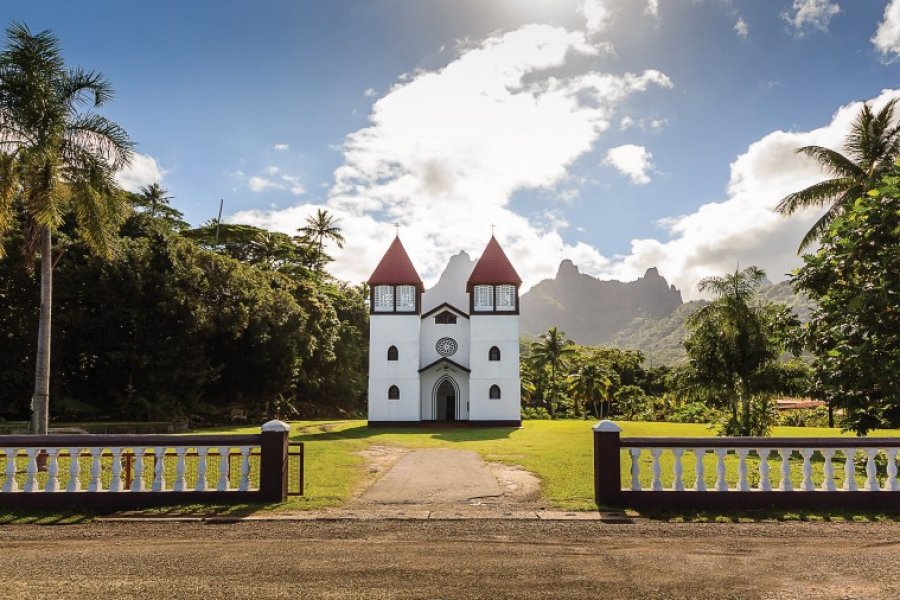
pixel 559 452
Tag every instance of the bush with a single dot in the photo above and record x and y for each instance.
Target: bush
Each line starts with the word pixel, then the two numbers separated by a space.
pixel 805 417
pixel 535 413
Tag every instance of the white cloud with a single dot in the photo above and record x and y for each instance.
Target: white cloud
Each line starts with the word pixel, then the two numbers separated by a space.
pixel 282 147
pixel 142 171
pixel 632 161
pixel 628 122
pixel 596 15
pixel 652 8
pixel 741 28
pixel 446 150
pixel 272 169
pixel 887 37
pixel 744 228
pixel 261 184
pixel 810 14
pixel 295 186
pixel 369 92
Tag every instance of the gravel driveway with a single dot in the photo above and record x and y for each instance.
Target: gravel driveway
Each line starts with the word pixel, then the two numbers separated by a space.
pixel 450 559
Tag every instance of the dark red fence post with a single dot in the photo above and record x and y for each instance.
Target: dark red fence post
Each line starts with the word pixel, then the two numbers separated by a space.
pixel 273 462
pixel 607 468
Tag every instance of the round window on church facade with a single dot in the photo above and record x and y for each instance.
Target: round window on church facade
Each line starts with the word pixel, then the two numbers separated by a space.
pixel 446 346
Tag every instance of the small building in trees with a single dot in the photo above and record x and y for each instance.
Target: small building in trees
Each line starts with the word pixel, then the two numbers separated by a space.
pixel 447 354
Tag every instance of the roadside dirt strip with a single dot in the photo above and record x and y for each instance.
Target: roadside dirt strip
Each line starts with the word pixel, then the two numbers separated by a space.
pixel 450 559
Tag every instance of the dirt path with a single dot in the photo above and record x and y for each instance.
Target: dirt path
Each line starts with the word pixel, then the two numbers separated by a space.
pixel 443 479
pixel 451 559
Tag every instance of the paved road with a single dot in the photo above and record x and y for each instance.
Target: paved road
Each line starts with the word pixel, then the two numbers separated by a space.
pixel 434 476
pixel 450 559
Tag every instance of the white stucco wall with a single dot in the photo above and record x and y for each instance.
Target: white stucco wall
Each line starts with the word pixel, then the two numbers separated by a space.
pixel 401 331
pixel 431 332
pixel 501 331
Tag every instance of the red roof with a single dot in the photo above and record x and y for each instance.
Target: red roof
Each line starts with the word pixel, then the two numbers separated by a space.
pixel 493 268
pixel 395 268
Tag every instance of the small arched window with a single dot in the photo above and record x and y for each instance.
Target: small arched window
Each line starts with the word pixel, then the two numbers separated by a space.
pixel 392 353
pixel 494 394
pixel 394 393
pixel 494 353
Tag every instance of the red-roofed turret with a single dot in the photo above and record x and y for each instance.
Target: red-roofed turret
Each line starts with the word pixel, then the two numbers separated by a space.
pixel 493 268
pixel 395 284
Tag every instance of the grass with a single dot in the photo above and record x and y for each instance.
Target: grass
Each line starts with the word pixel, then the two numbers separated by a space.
pixel 560 453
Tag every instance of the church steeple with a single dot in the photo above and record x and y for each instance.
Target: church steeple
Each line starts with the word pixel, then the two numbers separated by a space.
pixel 494 284
pixel 395 268
pixel 395 284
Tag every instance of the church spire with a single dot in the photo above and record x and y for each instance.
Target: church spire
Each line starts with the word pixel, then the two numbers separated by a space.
pixel 493 268
pixel 396 268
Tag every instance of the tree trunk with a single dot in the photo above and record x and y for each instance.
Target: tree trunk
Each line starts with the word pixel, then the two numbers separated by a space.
pixel 40 402
pixel 745 408
pixel 830 414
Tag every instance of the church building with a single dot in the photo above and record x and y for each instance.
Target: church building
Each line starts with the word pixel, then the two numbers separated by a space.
pixel 449 354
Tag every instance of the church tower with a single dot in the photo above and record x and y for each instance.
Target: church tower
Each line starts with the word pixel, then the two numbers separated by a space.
pixel 395 304
pixel 494 384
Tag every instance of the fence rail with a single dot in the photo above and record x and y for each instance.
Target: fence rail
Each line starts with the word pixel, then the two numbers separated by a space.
pixel 735 473
pixel 123 471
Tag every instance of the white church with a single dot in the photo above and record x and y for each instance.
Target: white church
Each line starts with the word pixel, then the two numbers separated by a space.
pixel 450 354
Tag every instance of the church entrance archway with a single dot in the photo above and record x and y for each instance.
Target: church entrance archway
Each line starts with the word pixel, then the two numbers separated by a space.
pixel 446 396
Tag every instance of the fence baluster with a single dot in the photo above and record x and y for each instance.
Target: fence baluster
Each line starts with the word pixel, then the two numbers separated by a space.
pixel 74 483
pixel 244 485
pixel 115 484
pixel 808 485
pixel 849 470
pixel 721 481
pixel 828 469
pixel 10 484
pixel 785 484
pixel 871 473
pixel 95 485
pixel 635 468
pixel 31 470
pixel 52 484
pixel 159 469
pixel 678 470
pixel 699 475
pixel 891 483
pixel 201 484
pixel 222 484
pixel 137 481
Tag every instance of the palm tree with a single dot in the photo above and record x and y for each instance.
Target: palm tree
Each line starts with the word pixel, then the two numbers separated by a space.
pixel 590 383
pixel 552 350
pixel 871 148
pixel 320 227
pixel 732 330
pixel 57 160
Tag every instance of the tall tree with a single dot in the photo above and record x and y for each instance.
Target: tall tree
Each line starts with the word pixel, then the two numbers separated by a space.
pixel 590 384
pixel 552 351
pixel 321 227
pixel 58 159
pixel 854 332
pixel 734 344
pixel 871 148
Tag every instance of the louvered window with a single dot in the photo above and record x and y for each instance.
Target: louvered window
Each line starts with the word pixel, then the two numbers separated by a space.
pixel 384 298
pixel 484 298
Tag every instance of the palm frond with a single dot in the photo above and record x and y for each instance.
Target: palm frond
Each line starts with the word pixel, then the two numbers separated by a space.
pixel 81 84
pixel 101 137
pixel 816 231
pixel 818 194
pixel 831 161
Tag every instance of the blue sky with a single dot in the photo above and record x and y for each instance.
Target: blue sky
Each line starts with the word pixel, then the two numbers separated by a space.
pixel 447 116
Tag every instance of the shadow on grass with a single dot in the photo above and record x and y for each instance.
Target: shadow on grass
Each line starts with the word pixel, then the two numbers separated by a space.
pixel 326 432
pixel 83 515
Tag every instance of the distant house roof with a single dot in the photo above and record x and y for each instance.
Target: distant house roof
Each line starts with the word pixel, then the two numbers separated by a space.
pixel 396 268
pixel 797 403
pixel 493 268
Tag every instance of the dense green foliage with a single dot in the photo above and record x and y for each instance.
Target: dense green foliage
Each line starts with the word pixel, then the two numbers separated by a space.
pixel 734 348
pixel 168 328
pixel 854 333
